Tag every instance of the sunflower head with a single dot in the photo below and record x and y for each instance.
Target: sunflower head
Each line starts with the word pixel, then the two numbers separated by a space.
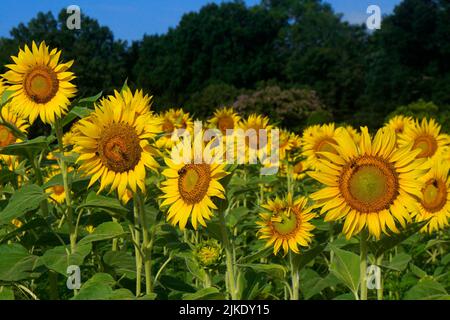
pixel 172 120
pixel 296 168
pixel 112 144
pixel 191 182
pixel 399 123
pixel 435 200
pixel 371 184
pixel 208 253
pixel 40 83
pixel 225 119
pixel 285 223
pixel 317 139
pixel 426 137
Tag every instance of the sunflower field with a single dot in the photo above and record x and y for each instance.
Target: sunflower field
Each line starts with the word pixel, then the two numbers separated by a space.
pixel 100 208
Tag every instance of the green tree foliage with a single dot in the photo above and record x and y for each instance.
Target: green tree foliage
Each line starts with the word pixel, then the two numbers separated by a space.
pixel 100 61
pixel 292 108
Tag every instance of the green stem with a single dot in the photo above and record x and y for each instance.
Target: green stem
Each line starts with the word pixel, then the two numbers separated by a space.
pixel 66 185
pixel 137 252
pixel 146 244
pixel 380 289
pixel 363 264
pixel 40 181
pixel 295 278
pixel 230 275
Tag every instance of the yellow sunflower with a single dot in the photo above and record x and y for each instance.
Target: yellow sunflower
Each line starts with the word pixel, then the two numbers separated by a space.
pixel 172 120
pixel 353 133
pixel 317 139
pixel 190 184
pixel 7 137
pixel 426 137
pixel 41 85
pixel 112 143
pixel 225 119
pixel 298 169
pixel 286 223
pixel 399 123
pixel 371 184
pixel 56 192
pixel 435 200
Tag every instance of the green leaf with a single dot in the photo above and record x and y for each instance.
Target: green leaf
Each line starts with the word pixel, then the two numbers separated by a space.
pixel 104 231
pixel 417 271
pixel 211 293
pixel 122 294
pixel 76 112
pixel 345 267
pixel 5 97
pixel 24 149
pixel 173 283
pixel 399 262
pixel 302 259
pixel 194 268
pixel 6 293
pixel 122 262
pixel 59 258
pixel 94 200
pixel 22 201
pixel 264 252
pixel 99 287
pixel 91 99
pixel 275 270
pixel 15 262
pixel 427 289
pixel 385 244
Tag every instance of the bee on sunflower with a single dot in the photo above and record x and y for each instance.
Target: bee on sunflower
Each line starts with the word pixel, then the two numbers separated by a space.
pixel 171 120
pixel 191 184
pixel 40 84
pixel 113 145
pixel 371 184
pixel 285 223
pixel 435 201
pixel 425 136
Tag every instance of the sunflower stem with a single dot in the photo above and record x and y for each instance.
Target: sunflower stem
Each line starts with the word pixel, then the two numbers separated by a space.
pixel 230 275
pixel 363 264
pixel 137 251
pixel 295 278
pixel 146 243
pixel 380 289
pixel 66 185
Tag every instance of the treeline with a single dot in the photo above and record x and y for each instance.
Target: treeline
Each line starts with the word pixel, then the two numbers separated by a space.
pixel 300 51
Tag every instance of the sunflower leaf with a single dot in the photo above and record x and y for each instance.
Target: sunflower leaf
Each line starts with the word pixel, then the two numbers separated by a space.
pixel 345 267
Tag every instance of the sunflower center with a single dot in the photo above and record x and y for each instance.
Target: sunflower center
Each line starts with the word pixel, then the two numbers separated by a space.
pixel 434 195
pixel 193 182
pixel 58 190
pixel 326 145
pixel 119 147
pixel 427 144
pixel 224 123
pixel 41 84
pixel 298 167
pixel 6 137
pixel 369 184
pixel 285 223
pixel 168 127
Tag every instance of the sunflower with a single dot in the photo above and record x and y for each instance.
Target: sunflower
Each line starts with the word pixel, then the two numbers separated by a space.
pixel 353 133
pixel 41 85
pixel 112 143
pixel 426 137
pixel 190 185
pixel 371 184
pixel 435 201
pixel 7 137
pixel 298 169
pixel 172 120
pixel 208 253
pixel 56 191
pixel 285 143
pixel 286 223
pixel 317 139
pixel 225 119
pixel 399 123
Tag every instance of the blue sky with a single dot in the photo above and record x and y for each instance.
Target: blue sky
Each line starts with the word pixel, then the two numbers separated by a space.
pixel 130 20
